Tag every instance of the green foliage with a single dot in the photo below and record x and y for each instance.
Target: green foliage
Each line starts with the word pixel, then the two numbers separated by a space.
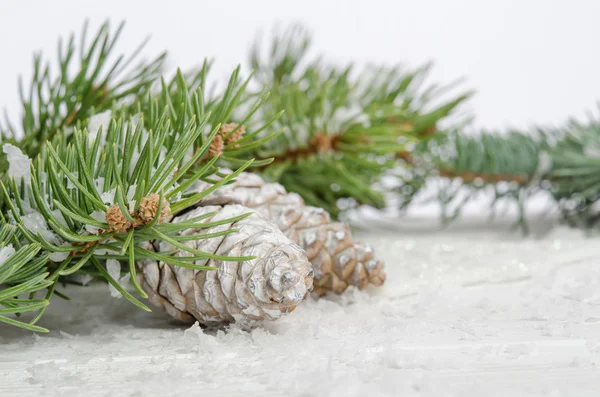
pixel 88 78
pixel 575 173
pixel 22 272
pixel 126 161
pixel 156 143
pixel 563 163
pixel 467 166
pixel 185 97
pixel 342 129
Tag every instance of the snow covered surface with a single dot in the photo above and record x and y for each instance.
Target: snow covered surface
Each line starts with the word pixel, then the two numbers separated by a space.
pixel 474 310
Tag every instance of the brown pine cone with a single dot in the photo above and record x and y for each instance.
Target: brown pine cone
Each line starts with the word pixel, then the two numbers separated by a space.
pixel 116 220
pixel 226 130
pixel 149 207
pixel 338 261
pixel 216 146
pixel 264 288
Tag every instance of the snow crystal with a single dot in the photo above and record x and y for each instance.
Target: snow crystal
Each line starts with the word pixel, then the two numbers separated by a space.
pixel 98 215
pixel 83 279
pixel 108 198
pixel 59 217
pixel 114 270
pixel 59 256
pixel 97 121
pixel 544 164
pixel 99 183
pixel 6 252
pixel 130 194
pixel 70 184
pixel 35 223
pixel 195 331
pixel 18 163
pixel 66 335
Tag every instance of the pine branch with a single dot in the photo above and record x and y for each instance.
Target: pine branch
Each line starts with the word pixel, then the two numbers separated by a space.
pixel 86 198
pixel 506 165
pixel 23 273
pixel 342 129
pixel 75 222
pixel 88 78
pixel 576 172
pixel 562 162
pixel 228 112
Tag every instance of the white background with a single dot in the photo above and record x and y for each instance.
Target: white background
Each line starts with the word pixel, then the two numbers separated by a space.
pixel 530 61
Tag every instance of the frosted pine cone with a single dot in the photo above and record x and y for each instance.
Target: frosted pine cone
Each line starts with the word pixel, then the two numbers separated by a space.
pixel 260 289
pixel 338 261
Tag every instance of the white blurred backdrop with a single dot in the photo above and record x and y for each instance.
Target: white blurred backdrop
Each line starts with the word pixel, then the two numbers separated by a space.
pixel 531 61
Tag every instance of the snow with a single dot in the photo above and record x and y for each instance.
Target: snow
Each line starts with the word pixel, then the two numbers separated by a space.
pixel 97 121
pixel 82 279
pixel 113 267
pixel 35 223
pixel 6 252
pixel 108 198
pixel 18 163
pixel 472 310
pixel 129 196
pixel 58 256
pixel 99 216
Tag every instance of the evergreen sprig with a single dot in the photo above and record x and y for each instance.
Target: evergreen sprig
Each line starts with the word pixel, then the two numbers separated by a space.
pixel 22 272
pixel 575 172
pixel 512 167
pixel 191 93
pixel 88 77
pixel 342 129
pixel 130 163
pixel 112 156
pixel 467 166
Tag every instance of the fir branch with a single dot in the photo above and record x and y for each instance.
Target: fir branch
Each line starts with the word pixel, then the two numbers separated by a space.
pixel 186 98
pixel 575 172
pixel 563 162
pixel 342 129
pixel 86 194
pixel 88 78
pixel 506 165
pixel 23 273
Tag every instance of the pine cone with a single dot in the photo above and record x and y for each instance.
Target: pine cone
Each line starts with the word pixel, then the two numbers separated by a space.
pixel 116 220
pixel 149 207
pixel 236 136
pixel 216 146
pixel 260 289
pixel 338 261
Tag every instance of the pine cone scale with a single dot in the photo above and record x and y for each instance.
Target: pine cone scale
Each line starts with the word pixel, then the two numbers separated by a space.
pixel 169 287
